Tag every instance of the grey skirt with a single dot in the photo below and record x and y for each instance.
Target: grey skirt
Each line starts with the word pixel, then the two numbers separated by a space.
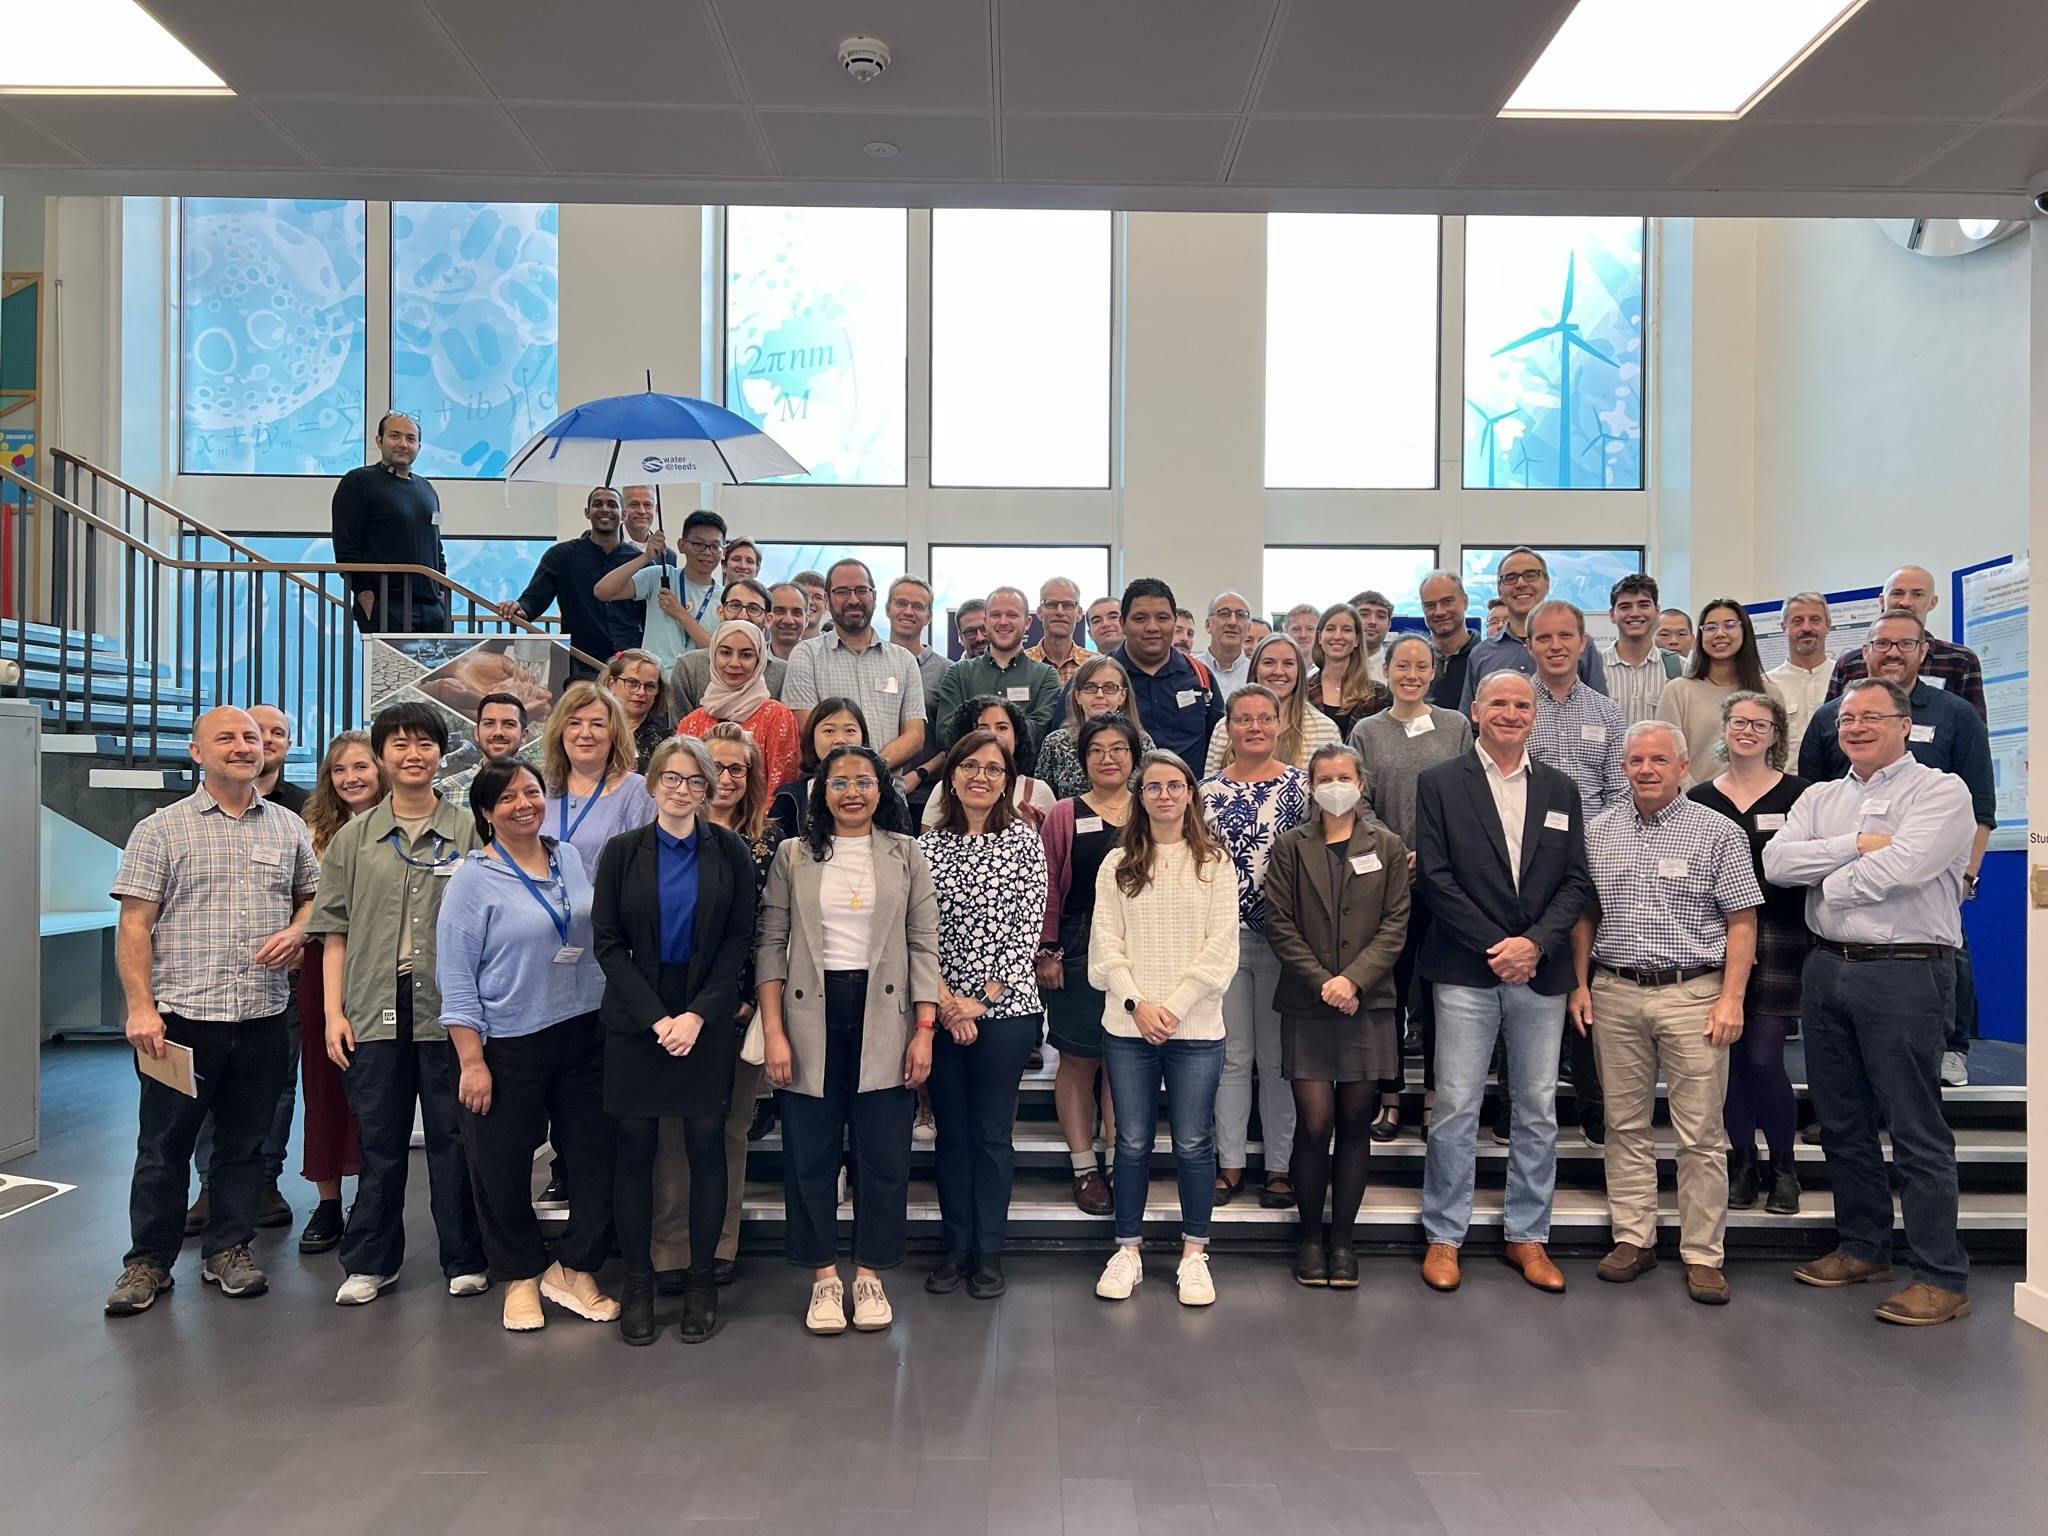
pixel 1334 1049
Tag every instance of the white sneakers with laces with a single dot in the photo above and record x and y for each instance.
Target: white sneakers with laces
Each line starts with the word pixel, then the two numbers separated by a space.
pixel 468 1285
pixel 1124 1272
pixel 360 1290
pixel 1192 1278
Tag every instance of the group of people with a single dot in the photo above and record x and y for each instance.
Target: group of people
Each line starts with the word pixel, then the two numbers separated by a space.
pixel 877 883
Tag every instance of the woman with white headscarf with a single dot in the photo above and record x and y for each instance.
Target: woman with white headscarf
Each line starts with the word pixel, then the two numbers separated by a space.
pixel 738 691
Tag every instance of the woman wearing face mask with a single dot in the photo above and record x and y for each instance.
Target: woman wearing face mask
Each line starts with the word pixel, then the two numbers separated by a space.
pixel 1099 688
pixel 1250 803
pixel 587 759
pixel 1342 686
pixel 835 723
pixel 1278 664
pixel 1726 660
pixel 1395 745
pixel 520 991
pixel 1336 916
pixel 738 692
pixel 1032 798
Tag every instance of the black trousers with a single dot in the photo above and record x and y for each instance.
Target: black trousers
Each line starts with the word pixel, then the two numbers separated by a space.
pixel 815 1130
pixel 396 610
pixel 974 1102
pixel 240 1070
pixel 553 1077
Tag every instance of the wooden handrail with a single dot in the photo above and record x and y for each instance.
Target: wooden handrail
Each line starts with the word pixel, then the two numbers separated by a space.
pixel 176 514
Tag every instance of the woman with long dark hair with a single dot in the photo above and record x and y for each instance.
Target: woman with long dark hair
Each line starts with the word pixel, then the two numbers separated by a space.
pixel 835 722
pixel 1727 660
pixel 1031 798
pixel 1343 686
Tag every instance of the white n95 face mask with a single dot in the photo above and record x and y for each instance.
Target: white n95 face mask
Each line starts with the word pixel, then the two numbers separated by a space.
pixel 1338 796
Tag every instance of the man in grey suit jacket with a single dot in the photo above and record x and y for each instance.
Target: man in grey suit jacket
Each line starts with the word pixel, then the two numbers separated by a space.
pixel 742 599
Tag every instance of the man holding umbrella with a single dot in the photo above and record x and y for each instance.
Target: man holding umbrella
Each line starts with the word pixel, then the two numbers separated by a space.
pixel 681 609
pixel 572 574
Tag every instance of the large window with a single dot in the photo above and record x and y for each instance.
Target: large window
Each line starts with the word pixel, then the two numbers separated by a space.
pixel 780 561
pixel 1581 576
pixel 270 336
pixel 1020 347
pixel 1324 574
pixel 1351 350
pixel 815 302
pixel 961 571
pixel 1554 358
pixel 473 314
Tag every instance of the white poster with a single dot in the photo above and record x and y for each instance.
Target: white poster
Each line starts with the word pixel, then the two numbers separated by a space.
pixel 1850 615
pixel 1994 625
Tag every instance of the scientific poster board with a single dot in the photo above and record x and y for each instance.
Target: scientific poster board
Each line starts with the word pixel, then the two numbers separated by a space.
pixel 1991 619
pixel 1850 613
pixel 451 673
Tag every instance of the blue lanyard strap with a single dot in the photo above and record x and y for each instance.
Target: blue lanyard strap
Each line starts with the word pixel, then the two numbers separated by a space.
pixel 710 591
pixel 559 919
pixel 398 843
pixel 568 828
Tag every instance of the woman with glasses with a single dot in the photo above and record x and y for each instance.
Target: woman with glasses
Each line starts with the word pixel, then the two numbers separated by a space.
pixel 520 991
pixel 988 872
pixel 1278 664
pixel 1078 835
pixel 1099 688
pixel 1726 660
pixel 634 679
pixel 848 968
pixel 836 722
pixel 673 925
pixel 1342 686
pixel 1162 949
pixel 587 758
pixel 1031 798
pixel 1250 803
pixel 738 692
pixel 1755 792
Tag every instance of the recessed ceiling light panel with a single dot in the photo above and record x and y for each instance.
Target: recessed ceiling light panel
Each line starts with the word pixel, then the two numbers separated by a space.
pixel 95 48
pixel 1673 58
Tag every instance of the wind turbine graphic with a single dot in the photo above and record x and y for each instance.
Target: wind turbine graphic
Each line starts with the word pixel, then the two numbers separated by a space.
pixel 1596 447
pixel 1521 463
pixel 1567 334
pixel 1486 435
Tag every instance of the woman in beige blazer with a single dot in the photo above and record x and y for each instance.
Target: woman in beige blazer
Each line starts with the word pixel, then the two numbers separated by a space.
pixel 847 962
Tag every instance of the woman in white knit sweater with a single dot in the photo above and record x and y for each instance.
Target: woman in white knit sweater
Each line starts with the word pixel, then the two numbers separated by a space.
pixel 1163 948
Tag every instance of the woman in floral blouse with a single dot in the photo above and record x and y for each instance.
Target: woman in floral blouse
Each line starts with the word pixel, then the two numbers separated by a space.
pixel 1099 688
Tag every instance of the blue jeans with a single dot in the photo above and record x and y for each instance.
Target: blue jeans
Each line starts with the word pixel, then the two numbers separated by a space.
pixel 1468 1021
pixel 1191 1069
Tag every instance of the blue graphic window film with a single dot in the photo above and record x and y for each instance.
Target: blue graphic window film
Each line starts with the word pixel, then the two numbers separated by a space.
pixel 1581 576
pixel 1325 574
pixel 1351 350
pixel 1554 358
pixel 474 300
pixel 270 336
pixel 781 560
pixel 815 350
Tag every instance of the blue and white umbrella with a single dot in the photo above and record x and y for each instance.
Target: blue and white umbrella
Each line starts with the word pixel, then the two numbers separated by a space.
pixel 651 439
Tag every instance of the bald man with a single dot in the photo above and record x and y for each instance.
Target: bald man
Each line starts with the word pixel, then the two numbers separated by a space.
pixel 1946 664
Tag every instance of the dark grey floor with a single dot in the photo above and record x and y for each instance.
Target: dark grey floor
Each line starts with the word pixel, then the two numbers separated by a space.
pixel 1495 1410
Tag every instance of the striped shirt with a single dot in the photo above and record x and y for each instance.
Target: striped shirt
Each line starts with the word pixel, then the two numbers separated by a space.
pixel 1667 885
pixel 223 884
pixel 1581 735
pixel 1637 685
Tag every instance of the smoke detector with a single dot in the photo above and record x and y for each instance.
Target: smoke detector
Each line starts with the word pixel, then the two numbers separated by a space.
pixel 864 57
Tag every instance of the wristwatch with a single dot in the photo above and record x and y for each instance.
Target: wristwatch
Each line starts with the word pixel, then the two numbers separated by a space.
pixel 1130 1005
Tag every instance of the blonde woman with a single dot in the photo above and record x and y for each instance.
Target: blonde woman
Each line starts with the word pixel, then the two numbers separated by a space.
pixel 1343 686
pixel 587 763
pixel 1278 663
pixel 634 678
pixel 1099 688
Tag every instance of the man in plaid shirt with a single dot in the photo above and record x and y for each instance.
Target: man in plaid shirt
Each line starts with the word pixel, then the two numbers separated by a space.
pixel 1946 665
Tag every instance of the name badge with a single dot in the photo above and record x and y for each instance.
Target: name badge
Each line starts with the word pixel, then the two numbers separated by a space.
pixel 1934 682
pixel 1873 807
pixel 1186 697
pixel 443 871
pixel 1592 733
pixel 1920 733
pixel 1671 869
pixel 1087 823
pixel 1775 822
pixel 1364 863
pixel 437 517
pixel 265 856
pixel 1421 725
pixel 1557 821
pixel 891 685
pixel 1020 695
pixel 391 1018
pixel 568 954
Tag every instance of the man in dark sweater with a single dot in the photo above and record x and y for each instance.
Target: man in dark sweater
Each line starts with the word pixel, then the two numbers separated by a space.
pixel 384 514
pixel 568 574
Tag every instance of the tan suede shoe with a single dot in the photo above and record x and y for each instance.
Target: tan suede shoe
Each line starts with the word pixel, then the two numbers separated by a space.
pixel 1921 1304
pixel 577 1291
pixel 522 1306
pixel 1840 1268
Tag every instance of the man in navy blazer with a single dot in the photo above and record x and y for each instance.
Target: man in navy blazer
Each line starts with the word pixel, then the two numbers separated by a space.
pixel 1500 859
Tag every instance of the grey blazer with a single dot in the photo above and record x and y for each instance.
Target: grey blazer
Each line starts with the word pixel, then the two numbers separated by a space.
pixel 691 675
pixel 903 958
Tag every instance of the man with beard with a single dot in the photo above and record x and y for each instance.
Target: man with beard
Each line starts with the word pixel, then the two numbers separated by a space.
pixel 384 514
pixel 1444 605
pixel 570 574
pixel 851 661
pixel 1003 670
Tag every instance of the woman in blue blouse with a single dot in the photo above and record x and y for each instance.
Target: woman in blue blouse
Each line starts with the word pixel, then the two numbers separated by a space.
pixel 989 873
pixel 519 996
pixel 587 757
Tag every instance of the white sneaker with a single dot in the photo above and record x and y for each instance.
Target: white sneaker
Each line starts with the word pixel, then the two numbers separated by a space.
pixel 1124 1273
pixel 846 1186
pixel 924 1130
pixel 469 1285
pixel 359 1290
pixel 1196 1288
pixel 828 1307
pixel 1955 1070
pixel 871 1313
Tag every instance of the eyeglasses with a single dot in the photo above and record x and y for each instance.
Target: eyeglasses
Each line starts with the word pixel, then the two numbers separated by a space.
pixel 842 593
pixel 732 770
pixel 1268 721
pixel 1738 725
pixel 980 771
pixel 634 685
pixel 1060 605
pixel 703 546
pixel 1893 647
pixel 839 786
pixel 1240 614
pixel 1161 791
pixel 1101 690
pixel 1515 578
pixel 1114 752
pixel 696 783
pixel 746 610
pixel 1722 627
pixel 1865 719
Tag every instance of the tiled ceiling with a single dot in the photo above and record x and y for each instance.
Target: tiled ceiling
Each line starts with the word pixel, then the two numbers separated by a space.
pixel 1914 107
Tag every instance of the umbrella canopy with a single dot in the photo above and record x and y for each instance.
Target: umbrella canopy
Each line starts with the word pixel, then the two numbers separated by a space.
pixel 651 439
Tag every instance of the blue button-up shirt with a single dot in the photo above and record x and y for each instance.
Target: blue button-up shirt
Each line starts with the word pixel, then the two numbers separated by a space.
pixel 1177 709
pixel 1582 735
pixel 676 865
pixel 1946 734
pixel 1908 893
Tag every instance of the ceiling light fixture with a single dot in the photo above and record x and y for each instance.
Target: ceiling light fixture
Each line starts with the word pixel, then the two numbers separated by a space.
pixel 96 48
pixel 1711 59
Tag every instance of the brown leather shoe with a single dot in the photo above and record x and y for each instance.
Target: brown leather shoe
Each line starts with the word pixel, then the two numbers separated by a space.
pixel 1920 1304
pixel 1625 1262
pixel 1840 1268
pixel 1440 1267
pixel 1535 1266
pixel 1091 1193
pixel 1706 1285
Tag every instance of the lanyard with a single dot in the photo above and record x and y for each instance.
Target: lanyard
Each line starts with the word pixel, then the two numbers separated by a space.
pixel 398 843
pixel 568 829
pixel 559 919
pixel 710 591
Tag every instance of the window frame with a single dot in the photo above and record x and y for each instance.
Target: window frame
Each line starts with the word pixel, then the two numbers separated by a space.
pixel 1641 552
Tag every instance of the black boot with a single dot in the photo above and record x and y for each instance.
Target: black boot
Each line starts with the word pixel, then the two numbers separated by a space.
pixel 700 1306
pixel 323 1228
pixel 1311 1264
pixel 1743 1185
pixel 636 1310
pixel 1784 1199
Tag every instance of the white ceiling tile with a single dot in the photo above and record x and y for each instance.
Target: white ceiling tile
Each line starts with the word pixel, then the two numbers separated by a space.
pixel 1919 58
pixel 1125 151
pixel 1819 155
pixel 1351 151
pixel 788 53
pixel 354 48
pixel 170 131
pixel 23 144
pixel 1122 56
pixel 1449 57
pixel 642 141
pixel 817 146
pixel 451 136
pixel 633 50
pixel 1530 152
pixel 1999 157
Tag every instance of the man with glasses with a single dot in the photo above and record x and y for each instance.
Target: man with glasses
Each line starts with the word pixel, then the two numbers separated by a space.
pixel 575 573
pixel 1943 664
pixel 1524 579
pixel 1885 850
pixel 970 627
pixel 1945 733
pixel 677 605
pixel 789 615
pixel 910 616
pixel 1807 672
pixel 851 661
pixel 1059 615
pixel 1228 624
pixel 1444 606
pixel 1637 667
pixel 1004 671
pixel 744 599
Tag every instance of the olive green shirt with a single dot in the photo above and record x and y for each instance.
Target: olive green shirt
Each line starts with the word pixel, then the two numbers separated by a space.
pixel 368 891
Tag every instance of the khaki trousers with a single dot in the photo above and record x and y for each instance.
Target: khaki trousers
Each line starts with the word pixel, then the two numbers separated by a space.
pixel 1635 1031
pixel 672 1177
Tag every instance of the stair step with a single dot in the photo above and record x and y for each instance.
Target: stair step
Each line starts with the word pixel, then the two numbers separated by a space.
pixel 73 712
pixel 46 682
pixel 49 634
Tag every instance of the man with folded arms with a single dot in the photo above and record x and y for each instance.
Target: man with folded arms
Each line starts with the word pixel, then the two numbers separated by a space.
pixel 1662 959
pixel 1884 850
